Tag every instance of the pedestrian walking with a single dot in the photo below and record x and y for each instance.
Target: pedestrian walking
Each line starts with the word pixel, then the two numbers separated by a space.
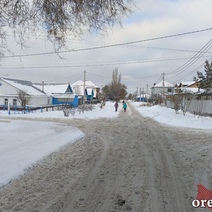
pixel 116 106
pixel 124 106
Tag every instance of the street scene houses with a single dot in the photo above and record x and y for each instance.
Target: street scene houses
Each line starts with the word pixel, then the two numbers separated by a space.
pixel 17 94
pixel 185 96
pixel 13 91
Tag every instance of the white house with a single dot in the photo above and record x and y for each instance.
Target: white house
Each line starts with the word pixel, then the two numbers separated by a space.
pixel 91 90
pixel 10 89
pixel 161 88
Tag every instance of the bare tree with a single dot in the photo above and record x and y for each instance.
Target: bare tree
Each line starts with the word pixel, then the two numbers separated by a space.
pixel 23 98
pixel 181 101
pixel 59 17
pixel 115 90
pixel 176 99
pixel 186 101
pixel 77 90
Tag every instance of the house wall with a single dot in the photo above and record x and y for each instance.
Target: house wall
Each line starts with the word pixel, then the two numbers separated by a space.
pixel 193 86
pixel 11 99
pixel 5 88
pixel 65 99
pixel 157 90
pixel 39 100
pixel 34 101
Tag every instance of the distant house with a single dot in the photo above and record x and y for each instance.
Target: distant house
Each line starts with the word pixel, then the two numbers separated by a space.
pixel 90 90
pixel 11 88
pixel 59 93
pixel 187 87
pixel 165 88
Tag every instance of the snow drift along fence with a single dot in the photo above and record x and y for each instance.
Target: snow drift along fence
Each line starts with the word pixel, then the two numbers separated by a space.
pixel 200 107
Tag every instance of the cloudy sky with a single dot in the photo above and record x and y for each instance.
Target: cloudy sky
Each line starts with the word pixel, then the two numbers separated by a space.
pixel 152 43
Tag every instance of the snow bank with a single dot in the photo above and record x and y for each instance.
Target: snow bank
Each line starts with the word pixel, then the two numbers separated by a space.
pixel 168 116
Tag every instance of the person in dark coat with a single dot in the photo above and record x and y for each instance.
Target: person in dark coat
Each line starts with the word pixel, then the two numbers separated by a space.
pixel 116 106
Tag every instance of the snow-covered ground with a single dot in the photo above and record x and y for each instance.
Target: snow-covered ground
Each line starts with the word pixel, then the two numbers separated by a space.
pixel 24 142
pixel 168 116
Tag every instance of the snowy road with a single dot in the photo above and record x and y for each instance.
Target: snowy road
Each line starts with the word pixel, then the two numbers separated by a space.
pixel 130 163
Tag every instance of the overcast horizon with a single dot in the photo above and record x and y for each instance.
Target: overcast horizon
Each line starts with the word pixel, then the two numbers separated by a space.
pixel 154 46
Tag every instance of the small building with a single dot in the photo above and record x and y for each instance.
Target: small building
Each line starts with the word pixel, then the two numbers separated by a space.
pixel 60 93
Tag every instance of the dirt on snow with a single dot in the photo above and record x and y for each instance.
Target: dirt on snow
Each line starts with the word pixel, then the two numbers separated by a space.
pixel 129 163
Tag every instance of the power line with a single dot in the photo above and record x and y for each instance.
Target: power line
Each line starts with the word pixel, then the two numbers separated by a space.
pixel 100 64
pixel 192 60
pixel 195 69
pixel 99 75
pixel 112 45
pixel 66 77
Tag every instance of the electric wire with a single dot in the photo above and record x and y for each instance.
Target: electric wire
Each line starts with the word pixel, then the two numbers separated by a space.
pixel 70 76
pixel 192 60
pixel 99 64
pixel 111 45
pixel 194 70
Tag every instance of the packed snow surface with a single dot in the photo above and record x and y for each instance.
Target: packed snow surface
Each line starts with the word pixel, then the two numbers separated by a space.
pixel 25 142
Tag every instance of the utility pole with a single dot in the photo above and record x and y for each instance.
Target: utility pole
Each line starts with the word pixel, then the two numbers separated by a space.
pixel 143 94
pixel 84 89
pixel 163 84
pixel 147 88
pixel 140 94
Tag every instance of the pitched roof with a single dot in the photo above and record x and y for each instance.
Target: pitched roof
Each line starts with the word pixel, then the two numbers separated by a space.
pixel 54 88
pixel 87 83
pixel 186 84
pixel 78 87
pixel 166 84
pixel 25 86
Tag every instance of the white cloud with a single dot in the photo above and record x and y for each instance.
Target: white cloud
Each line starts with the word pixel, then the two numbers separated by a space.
pixel 153 18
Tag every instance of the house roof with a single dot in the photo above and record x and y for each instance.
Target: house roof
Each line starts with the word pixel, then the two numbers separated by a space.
pixel 78 87
pixel 186 84
pixel 160 84
pixel 25 86
pixel 87 84
pixel 54 88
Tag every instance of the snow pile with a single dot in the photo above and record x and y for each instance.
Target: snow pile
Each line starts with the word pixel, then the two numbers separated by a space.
pixel 97 112
pixel 168 116
pixel 23 143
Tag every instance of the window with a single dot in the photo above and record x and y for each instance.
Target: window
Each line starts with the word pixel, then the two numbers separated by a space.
pixel 6 102
pixel 169 90
pixel 14 102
